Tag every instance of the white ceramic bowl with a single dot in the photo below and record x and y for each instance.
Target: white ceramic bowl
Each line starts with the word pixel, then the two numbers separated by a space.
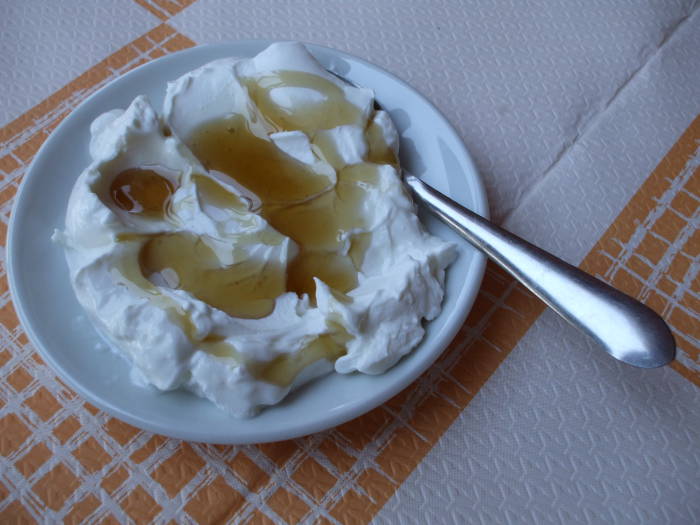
pixel 56 325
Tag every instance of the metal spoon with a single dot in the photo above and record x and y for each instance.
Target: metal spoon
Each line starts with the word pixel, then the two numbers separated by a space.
pixel 624 327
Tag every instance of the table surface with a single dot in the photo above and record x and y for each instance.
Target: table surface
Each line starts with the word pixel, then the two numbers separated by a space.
pixel 584 120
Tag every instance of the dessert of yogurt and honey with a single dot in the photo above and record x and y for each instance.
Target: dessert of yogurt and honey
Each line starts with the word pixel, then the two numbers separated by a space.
pixel 253 235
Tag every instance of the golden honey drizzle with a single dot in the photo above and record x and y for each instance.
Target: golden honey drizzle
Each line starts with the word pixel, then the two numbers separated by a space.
pixel 316 223
pixel 333 110
pixel 245 288
pixel 228 145
pixel 296 201
pixel 379 151
pixel 284 368
pixel 216 195
pixel 141 191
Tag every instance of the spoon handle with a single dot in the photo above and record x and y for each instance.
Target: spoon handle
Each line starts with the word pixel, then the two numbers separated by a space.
pixel 627 329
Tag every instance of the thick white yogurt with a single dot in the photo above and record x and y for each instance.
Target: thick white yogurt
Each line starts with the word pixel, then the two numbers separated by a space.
pixel 172 338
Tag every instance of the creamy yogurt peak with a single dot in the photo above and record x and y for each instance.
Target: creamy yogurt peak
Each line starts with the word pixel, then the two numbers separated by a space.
pixel 254 235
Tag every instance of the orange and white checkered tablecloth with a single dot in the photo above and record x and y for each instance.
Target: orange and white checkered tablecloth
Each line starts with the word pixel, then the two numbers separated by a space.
pixel 584 120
